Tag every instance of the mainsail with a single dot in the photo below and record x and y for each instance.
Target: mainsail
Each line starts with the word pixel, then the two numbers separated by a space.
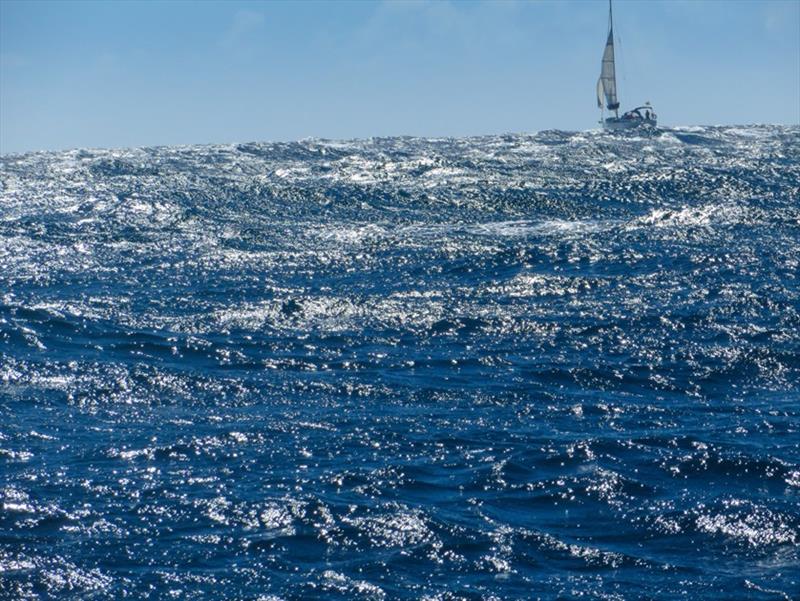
pixel 607 84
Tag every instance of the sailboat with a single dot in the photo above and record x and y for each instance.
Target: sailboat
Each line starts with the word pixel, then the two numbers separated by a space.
pixel 607 91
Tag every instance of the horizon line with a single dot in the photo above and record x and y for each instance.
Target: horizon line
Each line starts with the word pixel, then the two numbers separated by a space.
pixel 369 138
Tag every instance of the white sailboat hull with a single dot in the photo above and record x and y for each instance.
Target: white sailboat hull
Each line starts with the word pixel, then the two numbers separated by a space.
pixel 618 123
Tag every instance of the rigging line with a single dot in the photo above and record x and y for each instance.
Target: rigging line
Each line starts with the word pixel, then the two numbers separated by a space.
pixel 622 65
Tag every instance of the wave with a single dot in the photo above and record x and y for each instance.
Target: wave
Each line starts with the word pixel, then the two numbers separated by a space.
pixel 559 364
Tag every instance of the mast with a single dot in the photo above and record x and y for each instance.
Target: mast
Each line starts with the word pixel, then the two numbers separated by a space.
pixel 615 103
pixel 610 18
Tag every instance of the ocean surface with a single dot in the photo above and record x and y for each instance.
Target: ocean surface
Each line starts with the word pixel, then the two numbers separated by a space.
pixel 554 366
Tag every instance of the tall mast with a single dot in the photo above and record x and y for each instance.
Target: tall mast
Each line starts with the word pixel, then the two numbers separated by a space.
pixel 610 18
pixel 613 57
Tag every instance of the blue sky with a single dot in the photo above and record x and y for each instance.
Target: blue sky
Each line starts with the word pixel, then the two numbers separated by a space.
pixel 114 74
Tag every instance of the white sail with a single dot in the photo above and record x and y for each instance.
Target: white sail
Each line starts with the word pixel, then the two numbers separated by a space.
pixel 608 75
pixel 600 93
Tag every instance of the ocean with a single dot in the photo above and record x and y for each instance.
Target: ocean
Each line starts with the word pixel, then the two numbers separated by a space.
pixel 563 365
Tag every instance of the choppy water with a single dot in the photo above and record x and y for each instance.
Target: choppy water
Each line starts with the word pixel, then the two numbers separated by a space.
pixel 558 366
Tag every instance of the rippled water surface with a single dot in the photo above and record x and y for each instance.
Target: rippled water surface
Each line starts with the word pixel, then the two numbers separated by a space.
pixel 556 366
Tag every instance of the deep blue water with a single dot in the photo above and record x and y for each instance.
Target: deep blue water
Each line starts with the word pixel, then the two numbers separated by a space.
pixel 551 366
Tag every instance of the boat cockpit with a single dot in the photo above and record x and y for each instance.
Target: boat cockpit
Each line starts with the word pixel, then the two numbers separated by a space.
pixel 642 113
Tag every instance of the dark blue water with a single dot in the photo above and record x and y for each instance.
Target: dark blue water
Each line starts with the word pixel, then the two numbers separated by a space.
pixel 557 366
